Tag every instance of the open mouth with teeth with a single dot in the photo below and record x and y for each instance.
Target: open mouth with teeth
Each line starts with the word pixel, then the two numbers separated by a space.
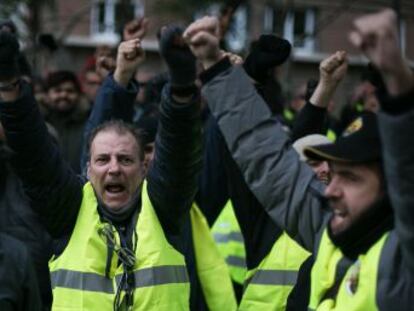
pixel 115 193
pixel 114 188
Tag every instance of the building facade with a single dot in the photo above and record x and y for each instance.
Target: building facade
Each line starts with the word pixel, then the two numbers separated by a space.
pixel 316 28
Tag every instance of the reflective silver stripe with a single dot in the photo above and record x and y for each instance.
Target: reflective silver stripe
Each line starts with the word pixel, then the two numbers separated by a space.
pixel 236 261
pixel 159 275
pixel 81 280
pixel 274 277
pixel 97 283
pixel 227 237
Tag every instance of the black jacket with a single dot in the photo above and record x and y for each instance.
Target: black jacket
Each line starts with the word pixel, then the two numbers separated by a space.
pixel 18 287
pixel 19 221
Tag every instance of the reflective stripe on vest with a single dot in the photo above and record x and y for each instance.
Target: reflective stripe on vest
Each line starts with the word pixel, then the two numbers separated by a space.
pixel 81 280
pixel 236 261
pixel 274 277
pixel 356 289
pixel 97 283
pixel 270 284
pixel 230 243
pixel 212 271
pixel 78 274
pixel 227 237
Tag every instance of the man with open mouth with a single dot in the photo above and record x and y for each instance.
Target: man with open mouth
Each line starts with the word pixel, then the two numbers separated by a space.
pixel 363 258
pixel 118 235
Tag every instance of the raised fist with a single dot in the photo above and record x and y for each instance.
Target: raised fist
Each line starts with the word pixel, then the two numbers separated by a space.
pixel 333 69
pixel 377 36
pixel 130 55
pixel 203 38
pixel 135 29
pixel 177 55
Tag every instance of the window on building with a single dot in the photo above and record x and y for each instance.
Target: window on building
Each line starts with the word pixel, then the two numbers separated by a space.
pixel 107 16
pixel 297 26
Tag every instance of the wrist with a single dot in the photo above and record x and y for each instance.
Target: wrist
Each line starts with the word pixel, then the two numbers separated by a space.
pixel 122 78
pixel 183 94
pixel 182 77
pixel 322 95
pixel 213 59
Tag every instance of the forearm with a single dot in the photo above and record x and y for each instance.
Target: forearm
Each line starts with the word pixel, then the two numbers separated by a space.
pixel 284 186
pixel 173 176
pixel 323 94
pixel 213 192
pixel 310 120
pixel 396 124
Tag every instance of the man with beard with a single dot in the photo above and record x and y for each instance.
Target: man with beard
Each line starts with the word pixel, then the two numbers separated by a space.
pixel 67 112
pixel 362 262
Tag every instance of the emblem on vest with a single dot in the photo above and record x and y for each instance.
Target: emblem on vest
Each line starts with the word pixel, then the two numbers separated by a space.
pixel 351 282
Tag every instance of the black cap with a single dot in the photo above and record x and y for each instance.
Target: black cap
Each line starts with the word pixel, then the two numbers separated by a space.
pixel 360 143
pixel 268 52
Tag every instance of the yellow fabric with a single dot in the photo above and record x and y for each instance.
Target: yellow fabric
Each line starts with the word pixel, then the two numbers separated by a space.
pixel 227 225
pixel 288 114
pixel 331 135
pixel 86 253
pixel 211 268
pixel 285 256
pixel 363 273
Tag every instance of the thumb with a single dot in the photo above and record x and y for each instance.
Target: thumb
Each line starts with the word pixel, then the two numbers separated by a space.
pixel 106 63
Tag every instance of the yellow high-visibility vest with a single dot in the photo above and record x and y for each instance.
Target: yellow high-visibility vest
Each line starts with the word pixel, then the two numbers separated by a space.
pixel 212 270
pixel 230 243
pixel 269 285
pixel 357 289
pixel 78 274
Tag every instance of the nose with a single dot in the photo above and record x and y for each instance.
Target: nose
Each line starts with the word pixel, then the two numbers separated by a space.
pixel 323 169
pixel 113 167
pixel 333 190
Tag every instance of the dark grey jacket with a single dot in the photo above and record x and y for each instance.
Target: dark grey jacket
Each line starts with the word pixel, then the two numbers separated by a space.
pixel 288 189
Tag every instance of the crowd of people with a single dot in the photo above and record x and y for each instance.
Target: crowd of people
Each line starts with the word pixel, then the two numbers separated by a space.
pixel 201 188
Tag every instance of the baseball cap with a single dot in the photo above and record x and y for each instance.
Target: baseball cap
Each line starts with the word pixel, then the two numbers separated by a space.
pixel 359 143
pixel 308 141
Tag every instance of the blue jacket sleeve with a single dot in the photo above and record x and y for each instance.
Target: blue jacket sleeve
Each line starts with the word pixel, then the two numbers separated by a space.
pixel 112 102
pixel 173 175
pixel 213 192
pixel 54 190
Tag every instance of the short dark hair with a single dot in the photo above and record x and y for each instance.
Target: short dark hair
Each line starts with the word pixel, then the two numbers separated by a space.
pixel 58 77
pixel 120 127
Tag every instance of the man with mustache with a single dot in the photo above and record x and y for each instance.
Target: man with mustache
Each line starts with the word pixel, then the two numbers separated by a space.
pixel 119 236
pixel 362 260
